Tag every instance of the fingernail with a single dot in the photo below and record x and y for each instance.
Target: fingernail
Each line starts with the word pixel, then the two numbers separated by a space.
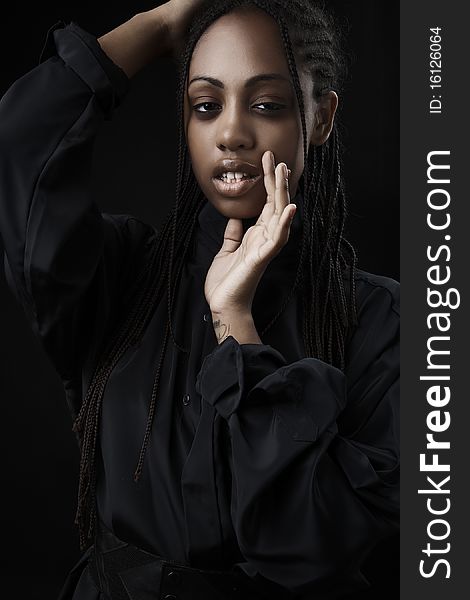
pixel 285 170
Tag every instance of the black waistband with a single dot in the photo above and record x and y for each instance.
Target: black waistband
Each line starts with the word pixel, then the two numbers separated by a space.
pixel 122 571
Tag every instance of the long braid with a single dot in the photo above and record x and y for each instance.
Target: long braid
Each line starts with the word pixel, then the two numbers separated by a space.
pixel 324 253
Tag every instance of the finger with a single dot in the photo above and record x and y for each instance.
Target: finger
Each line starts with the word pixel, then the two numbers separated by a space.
pixel 233 235
pixel 269 175
pixel 281 196
pixel 281 234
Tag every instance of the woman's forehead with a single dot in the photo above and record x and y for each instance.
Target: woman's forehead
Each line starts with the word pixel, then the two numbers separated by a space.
pixel 244 42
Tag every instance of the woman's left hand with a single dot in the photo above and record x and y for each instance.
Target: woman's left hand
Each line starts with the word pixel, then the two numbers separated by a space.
pixel 236 270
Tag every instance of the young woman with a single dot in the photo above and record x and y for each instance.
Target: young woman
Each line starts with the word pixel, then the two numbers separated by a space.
pixel 233 377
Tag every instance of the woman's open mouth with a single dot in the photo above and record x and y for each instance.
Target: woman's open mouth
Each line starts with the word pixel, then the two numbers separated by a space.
pixel 234 184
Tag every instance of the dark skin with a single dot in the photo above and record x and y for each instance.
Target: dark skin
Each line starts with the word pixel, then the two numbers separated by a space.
pixel 259 124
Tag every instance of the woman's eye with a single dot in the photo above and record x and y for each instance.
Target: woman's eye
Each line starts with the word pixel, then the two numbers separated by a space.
pixel 206 107
pixel 270 106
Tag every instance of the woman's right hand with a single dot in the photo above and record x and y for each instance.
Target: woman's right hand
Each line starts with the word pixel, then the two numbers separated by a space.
pixel 177 16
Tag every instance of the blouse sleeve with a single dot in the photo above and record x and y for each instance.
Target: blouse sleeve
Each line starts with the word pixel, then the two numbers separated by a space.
pixel 315 451
pixel 64 260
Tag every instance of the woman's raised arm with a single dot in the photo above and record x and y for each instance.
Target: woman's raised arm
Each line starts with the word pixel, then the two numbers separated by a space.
pixel 65 261
pixel 157 32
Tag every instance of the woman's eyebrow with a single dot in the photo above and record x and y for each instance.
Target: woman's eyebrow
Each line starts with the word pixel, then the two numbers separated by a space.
pixel 248 83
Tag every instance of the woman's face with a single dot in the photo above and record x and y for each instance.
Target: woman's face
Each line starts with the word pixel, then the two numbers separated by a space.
pixel 240 102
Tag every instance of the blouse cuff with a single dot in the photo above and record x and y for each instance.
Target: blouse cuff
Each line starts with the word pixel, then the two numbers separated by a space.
pixel 232 369
pixel 82 52
pixel 306 396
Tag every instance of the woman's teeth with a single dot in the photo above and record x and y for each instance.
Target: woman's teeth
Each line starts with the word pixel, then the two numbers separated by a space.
pixel 231 176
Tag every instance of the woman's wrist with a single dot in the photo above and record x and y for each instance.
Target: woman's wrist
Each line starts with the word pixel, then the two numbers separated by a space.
pixel 238 324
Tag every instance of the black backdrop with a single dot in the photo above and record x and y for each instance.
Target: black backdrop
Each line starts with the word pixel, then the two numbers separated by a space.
pixel 134 172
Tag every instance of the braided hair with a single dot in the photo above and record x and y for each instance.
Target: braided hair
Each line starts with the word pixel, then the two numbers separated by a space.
pixel 329 315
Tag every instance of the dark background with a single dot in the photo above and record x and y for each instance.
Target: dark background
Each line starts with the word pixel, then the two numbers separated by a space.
pixel 134 173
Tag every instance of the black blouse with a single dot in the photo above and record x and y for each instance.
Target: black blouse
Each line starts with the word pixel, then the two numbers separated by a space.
pixel 259 456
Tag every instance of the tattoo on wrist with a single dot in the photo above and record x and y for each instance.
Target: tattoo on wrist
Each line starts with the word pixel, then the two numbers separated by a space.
pixel 222 330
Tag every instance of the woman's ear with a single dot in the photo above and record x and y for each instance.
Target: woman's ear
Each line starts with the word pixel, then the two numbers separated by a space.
pixel 323 118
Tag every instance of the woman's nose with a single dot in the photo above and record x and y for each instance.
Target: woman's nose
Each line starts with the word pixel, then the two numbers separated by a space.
pixel 234 130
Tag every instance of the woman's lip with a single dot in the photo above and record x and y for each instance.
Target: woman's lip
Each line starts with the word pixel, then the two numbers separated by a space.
pixel 234 188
